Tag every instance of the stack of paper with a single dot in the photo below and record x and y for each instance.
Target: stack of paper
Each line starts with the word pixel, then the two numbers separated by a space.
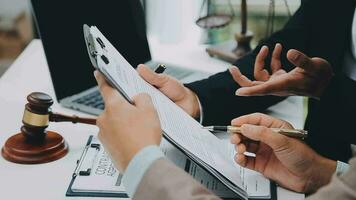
pixel 179 128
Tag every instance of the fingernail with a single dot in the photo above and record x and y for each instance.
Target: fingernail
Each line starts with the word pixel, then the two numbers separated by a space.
pixel 233 68
pixel 264 46
pixel 239 92
pixel 296 56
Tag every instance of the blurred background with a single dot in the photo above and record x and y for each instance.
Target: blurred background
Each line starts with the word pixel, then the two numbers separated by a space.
pixel 168 21
pixel 16 30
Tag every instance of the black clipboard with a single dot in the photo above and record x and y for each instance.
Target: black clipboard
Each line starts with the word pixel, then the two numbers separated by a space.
pixel 72 193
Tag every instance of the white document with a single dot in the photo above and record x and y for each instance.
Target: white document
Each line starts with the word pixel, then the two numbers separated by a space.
pixel 105 178
pixel 198 173
pixel 180 128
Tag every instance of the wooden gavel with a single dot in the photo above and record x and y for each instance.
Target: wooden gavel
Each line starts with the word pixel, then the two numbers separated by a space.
pixel 38 114
pixel 34 144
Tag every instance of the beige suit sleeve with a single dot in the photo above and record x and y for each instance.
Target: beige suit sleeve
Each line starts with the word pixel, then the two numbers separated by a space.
pixel 340 188
pixel 163 180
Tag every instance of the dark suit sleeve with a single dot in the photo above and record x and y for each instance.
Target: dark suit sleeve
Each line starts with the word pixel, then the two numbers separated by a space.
pixel 217 93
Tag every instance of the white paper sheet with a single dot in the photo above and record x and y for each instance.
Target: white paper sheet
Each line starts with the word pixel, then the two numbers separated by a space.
pixel 180 127
pixel 105 178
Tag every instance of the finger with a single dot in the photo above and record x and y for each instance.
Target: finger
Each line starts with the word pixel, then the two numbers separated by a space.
pixel 100 137
pixel 151 77
pixel 107 92
pixel 254 118
pixel 258 119
pixel 276 58
pixel 260 73
pixel 245 161
pixel 143 100
pixel 242 80
pixel 299 59
pixel 235 138
pixel 244 145
pixel 240 159
pixel 275 86
pixel 100 121
pixel 260 133
pixel 240 148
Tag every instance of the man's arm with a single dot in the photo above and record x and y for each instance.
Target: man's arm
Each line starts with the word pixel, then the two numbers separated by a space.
pixel 163 180
pixel 217 93
pixel 341 187
pixel 134 149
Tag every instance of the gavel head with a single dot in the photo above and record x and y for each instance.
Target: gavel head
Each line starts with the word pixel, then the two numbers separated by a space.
pixel 36 116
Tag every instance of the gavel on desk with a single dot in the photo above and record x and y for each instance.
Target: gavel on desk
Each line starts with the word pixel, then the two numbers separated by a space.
pixel 34 144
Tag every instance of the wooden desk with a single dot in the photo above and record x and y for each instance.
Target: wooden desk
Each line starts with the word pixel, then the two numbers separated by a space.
pixel 50 181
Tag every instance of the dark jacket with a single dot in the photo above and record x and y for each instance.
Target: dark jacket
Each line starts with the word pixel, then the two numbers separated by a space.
pixel 319 28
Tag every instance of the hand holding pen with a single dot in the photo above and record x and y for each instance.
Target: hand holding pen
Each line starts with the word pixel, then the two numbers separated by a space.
pixel 288 161
pixel 172 88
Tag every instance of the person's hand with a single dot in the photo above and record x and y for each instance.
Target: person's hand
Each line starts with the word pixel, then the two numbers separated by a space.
pixel 125 129
pixel 173 89
pixel 309 78
pixel 288 161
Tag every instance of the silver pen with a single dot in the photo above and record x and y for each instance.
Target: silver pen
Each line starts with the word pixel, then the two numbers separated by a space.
pixel 295 133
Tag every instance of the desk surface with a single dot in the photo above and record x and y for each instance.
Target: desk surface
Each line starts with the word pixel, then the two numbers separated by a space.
pixel 50 181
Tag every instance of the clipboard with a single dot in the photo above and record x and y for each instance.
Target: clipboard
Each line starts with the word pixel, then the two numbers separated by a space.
pixel 121 75
pixel 87 165
pixel 172 153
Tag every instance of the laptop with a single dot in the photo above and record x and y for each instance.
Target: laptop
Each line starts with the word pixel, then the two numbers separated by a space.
pixel 60 23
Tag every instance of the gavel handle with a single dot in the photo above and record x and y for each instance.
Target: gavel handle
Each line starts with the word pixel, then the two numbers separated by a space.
pixel 56 117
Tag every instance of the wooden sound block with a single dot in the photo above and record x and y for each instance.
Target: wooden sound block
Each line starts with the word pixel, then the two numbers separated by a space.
pixel 19 150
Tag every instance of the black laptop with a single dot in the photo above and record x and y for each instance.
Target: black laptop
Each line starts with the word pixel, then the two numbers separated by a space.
pixel 60 25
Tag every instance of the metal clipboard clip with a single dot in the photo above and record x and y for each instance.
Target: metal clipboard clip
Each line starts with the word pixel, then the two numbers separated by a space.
pixel 87 160
pixel 100 57
pixel 93 49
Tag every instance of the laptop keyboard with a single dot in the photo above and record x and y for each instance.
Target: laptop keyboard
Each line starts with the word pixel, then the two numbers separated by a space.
pixel 93 99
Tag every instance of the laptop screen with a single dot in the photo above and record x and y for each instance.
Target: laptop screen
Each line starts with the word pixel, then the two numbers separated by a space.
pixel 60 25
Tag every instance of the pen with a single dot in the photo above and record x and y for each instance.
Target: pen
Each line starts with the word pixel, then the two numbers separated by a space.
pixel 160 69
pixel 295 133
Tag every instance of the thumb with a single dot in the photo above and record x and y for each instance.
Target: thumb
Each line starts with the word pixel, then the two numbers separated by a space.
pixel 151 77
pixel 263 134
pixel 299 59
pixel 143 100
